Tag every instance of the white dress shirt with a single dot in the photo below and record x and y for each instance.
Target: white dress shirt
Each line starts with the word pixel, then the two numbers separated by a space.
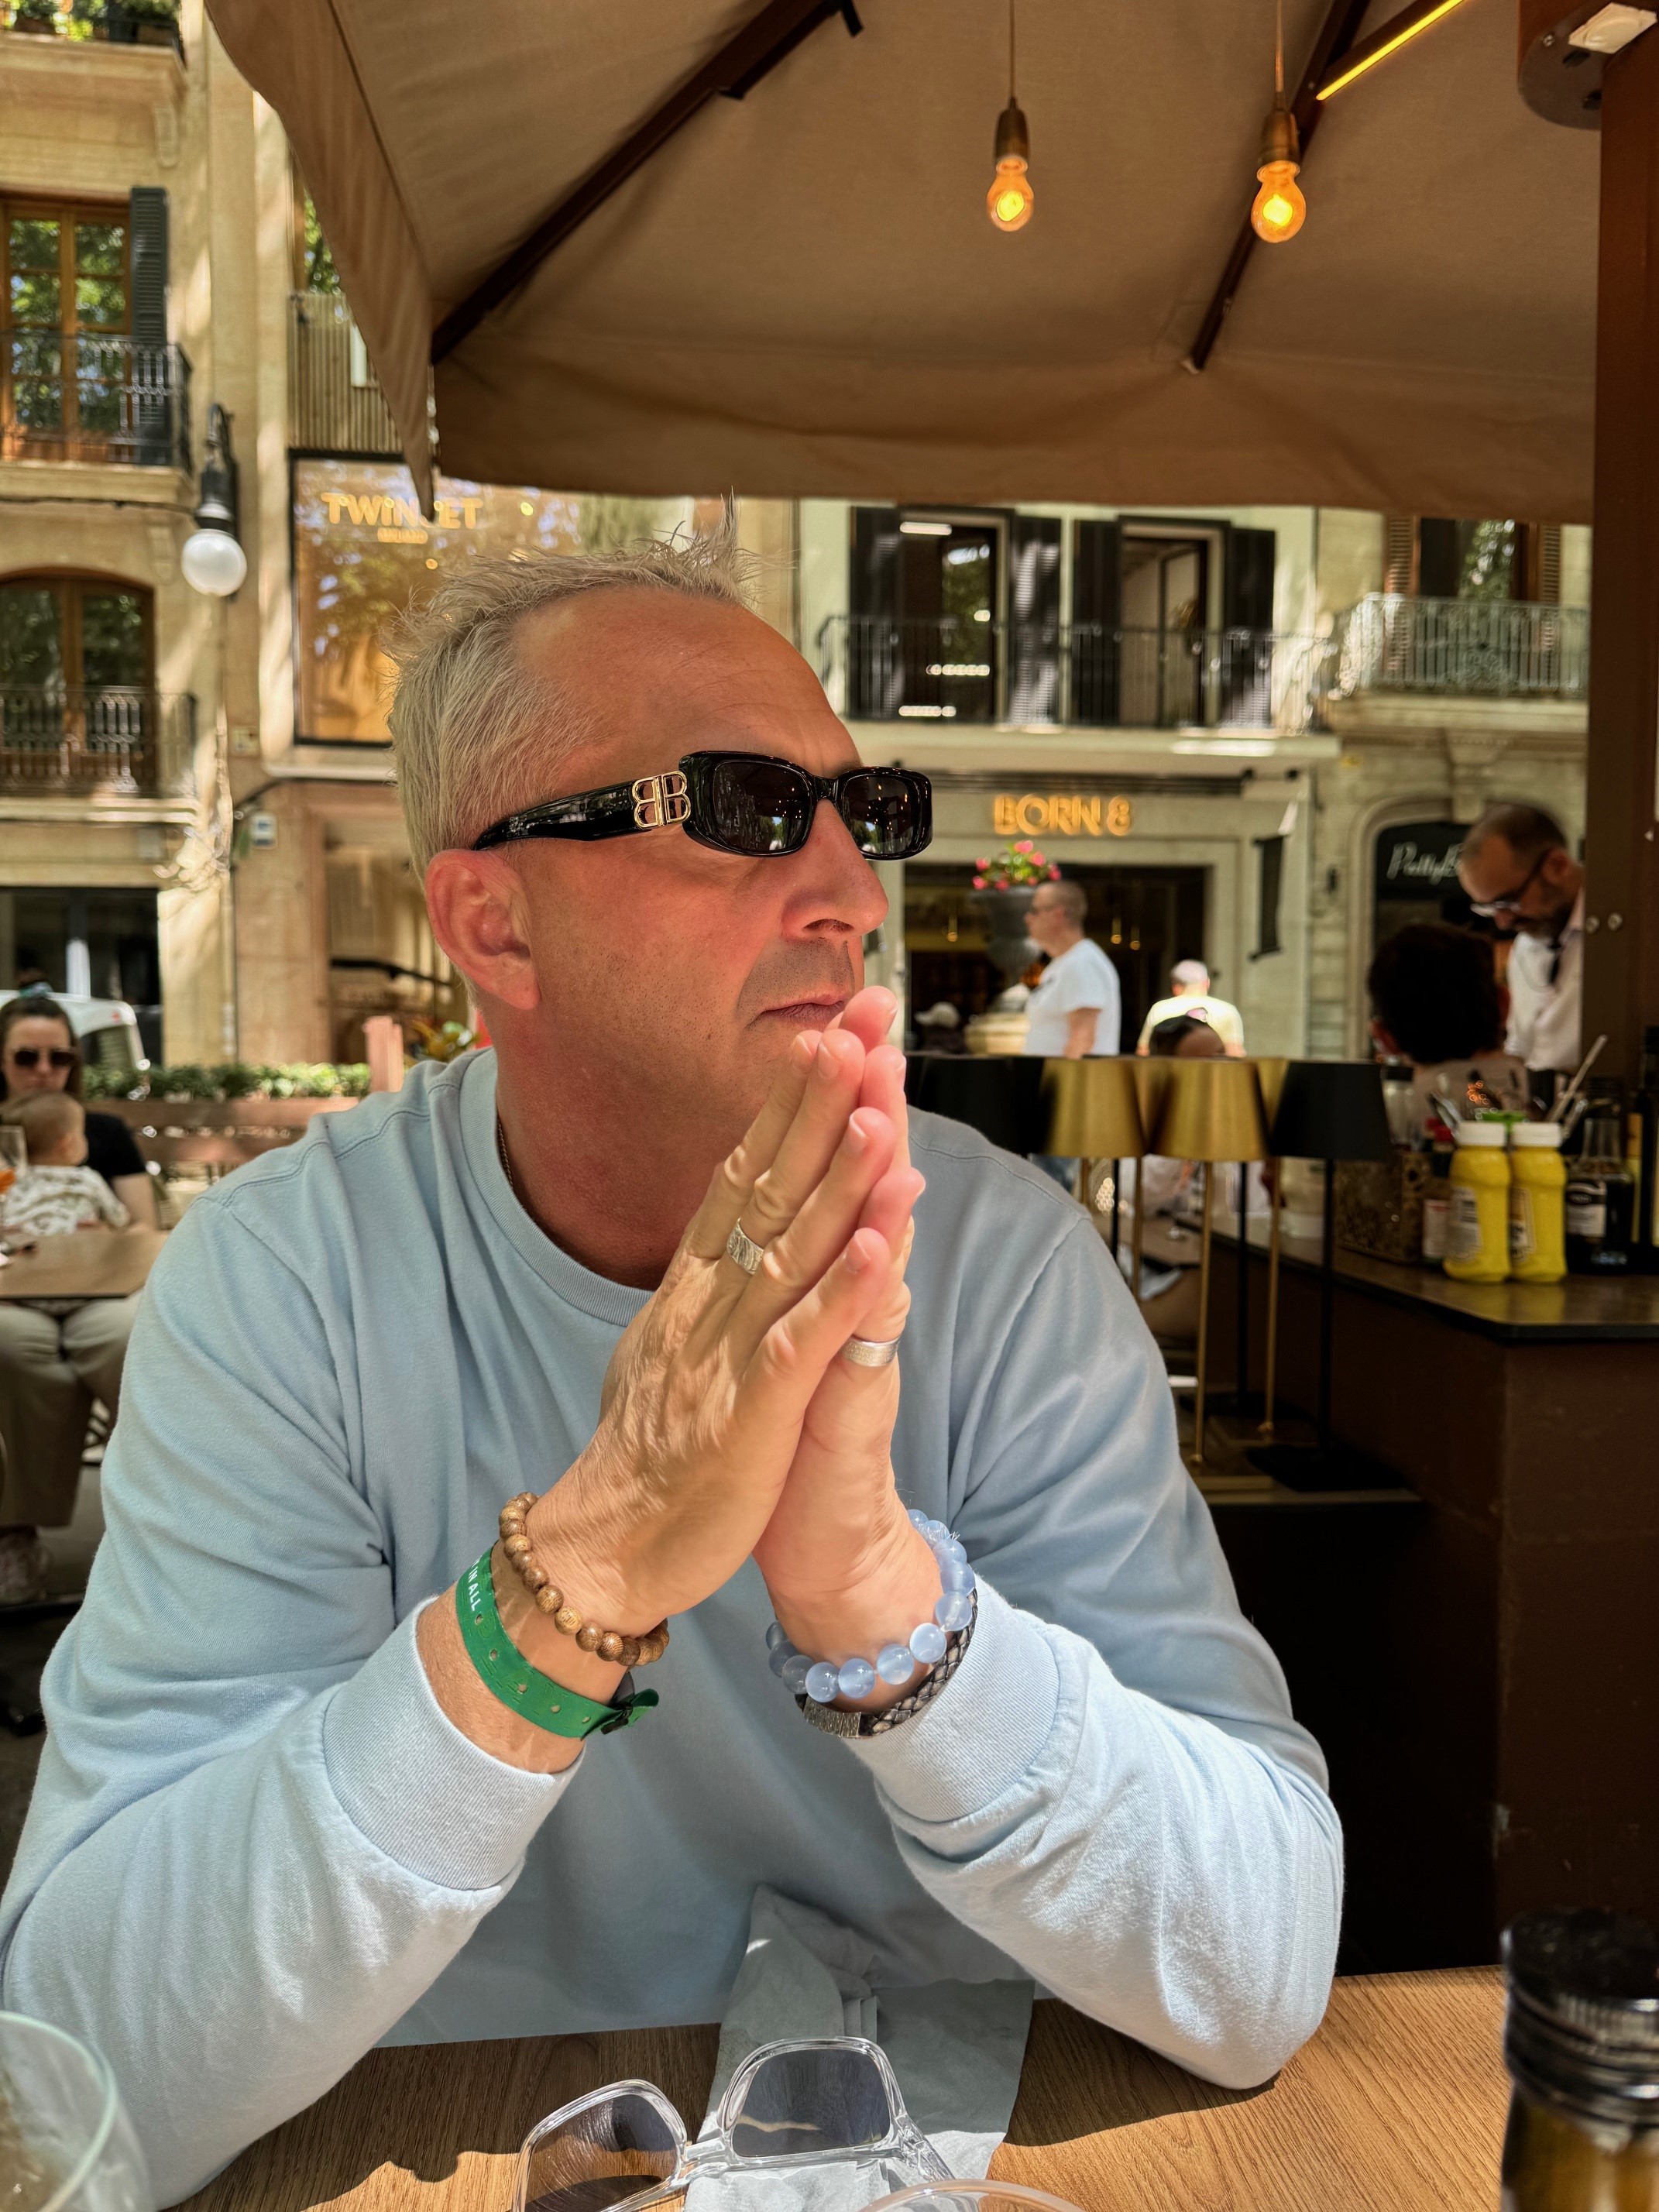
pixel 1546 1015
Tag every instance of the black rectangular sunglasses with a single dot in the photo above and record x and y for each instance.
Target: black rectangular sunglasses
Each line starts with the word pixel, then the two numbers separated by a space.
pixel 748 803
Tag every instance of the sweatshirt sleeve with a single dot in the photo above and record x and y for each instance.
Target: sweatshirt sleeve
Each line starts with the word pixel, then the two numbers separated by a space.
pixel 1112 1788
pixel 255 1839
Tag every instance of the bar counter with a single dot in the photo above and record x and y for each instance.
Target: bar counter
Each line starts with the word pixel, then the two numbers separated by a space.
pixel 1475 1650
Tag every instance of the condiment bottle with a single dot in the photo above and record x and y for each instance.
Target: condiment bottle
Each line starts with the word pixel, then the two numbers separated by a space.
pixel 1538 1182
pixel 1601 1201
pixel 1478 1231
pixel 1582 2044
pixel 1437 1199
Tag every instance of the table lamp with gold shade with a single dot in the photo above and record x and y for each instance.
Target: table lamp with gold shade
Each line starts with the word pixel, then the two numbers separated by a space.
pixel 1210 1110
pixel 1094 1114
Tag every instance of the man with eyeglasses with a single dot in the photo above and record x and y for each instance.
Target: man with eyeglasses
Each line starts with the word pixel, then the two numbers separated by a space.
pixel 961 1666
pixel 1517 871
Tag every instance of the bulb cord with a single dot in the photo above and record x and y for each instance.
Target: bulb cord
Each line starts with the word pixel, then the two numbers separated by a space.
pixel 1010 52
pixel 1279 51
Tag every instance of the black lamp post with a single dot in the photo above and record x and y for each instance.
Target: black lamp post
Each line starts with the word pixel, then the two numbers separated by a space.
pixel 1328 1110
pixel 212 559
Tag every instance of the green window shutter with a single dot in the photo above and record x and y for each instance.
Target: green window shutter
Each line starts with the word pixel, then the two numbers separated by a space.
pixel 148 218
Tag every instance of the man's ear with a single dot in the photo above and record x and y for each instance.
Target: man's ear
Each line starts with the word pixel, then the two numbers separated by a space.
pixel 477 904
pixel 1384 1037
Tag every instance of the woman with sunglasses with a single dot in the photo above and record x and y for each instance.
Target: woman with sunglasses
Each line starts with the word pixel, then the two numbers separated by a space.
pixel 54 1365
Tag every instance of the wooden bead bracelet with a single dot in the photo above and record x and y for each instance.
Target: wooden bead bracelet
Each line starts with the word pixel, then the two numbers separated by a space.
pixel 605 1642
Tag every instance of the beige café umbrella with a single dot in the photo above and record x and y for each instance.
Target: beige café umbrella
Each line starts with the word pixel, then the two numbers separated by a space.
pixel 799 293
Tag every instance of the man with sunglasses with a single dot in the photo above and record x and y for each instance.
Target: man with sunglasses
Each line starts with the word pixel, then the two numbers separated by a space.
pixel 1517 871
pixel 638 1276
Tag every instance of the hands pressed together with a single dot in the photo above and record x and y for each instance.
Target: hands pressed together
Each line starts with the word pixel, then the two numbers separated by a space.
pixel 731 1425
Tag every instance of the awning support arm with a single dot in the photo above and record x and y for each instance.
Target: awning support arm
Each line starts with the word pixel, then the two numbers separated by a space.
pixel 738 66
pixel 1336 34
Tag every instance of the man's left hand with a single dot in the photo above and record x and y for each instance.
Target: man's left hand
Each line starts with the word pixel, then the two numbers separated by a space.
pixel 846 1570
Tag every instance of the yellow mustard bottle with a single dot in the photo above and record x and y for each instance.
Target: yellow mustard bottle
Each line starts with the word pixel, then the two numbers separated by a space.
pixel 1538 1183
pixel 1478 1230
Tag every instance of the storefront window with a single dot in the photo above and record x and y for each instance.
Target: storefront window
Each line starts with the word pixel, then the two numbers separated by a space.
pixel 363 552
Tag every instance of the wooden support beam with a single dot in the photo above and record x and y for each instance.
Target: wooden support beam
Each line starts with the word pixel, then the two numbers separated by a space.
pixel 1336 36
pixel 739 65
pixel 1622 896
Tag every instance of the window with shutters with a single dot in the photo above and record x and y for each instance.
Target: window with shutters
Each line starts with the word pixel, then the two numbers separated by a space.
pixel 1432 556
pixel 86 371
pixel 65 273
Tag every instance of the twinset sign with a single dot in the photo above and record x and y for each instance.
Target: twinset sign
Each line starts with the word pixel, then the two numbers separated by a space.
pixel 1060 814
pixel 398 521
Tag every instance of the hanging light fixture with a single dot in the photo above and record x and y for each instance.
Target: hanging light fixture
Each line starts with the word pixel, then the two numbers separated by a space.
pixel 1011 199
pixel 1278 210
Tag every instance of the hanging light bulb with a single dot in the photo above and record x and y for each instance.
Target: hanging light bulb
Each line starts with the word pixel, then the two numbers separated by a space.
pixel 1278 210
pixel 1011 199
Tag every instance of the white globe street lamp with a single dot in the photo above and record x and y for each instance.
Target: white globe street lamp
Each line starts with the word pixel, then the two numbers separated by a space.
pixel 214 563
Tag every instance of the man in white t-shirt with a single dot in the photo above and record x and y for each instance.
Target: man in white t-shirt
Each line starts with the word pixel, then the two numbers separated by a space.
pixel 1190 994
pixel 1077 1008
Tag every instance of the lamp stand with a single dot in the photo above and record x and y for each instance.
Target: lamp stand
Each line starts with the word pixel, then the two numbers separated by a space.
pixel 1322 1465
pixel 1270 1375
pixel 1197 1455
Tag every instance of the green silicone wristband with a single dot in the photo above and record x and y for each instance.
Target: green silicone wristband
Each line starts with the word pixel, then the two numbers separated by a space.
pixel 520 1686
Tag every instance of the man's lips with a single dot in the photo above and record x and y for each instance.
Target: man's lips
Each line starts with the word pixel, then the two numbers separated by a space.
pixel 804 1010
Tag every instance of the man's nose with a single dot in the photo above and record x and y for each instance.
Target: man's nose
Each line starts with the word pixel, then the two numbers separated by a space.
pixel 838 884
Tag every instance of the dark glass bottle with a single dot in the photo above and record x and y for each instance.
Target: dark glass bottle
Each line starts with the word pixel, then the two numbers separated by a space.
pixel 1582 2044
pixel 1600 1204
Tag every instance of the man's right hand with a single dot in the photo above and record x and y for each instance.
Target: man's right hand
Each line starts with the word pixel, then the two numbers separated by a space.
pixel 707 1390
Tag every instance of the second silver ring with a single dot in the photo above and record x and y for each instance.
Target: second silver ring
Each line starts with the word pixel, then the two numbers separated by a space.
pixel 870 1352
pixel 741 1247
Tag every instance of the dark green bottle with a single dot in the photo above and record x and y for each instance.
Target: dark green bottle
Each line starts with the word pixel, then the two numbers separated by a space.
pixel 1582 2044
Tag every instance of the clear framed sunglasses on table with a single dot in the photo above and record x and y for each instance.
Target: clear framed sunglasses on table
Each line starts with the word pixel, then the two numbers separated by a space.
pixel 747 804
pixel 818 2123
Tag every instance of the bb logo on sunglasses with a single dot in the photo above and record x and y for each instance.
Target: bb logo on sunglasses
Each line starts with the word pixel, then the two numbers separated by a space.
pixel 660 801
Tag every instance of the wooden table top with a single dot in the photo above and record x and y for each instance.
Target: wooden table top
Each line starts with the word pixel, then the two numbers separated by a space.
pixel 87 1263
pixel 1396 2106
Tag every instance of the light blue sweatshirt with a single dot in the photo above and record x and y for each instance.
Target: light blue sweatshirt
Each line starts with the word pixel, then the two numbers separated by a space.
pixel 257 1847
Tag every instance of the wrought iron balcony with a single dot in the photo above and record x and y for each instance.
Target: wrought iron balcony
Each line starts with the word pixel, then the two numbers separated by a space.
pixel 335 402
pixel 1473 648
pixel 1080 675
pixel 90 396
pixel 55 740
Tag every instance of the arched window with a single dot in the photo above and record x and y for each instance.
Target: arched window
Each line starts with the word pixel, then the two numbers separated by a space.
pixel 76 657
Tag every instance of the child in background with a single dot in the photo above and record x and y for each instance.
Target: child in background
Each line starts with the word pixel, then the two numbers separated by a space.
pixel 57 1191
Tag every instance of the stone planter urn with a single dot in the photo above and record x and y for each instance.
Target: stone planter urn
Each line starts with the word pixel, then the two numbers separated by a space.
pixel 1010 948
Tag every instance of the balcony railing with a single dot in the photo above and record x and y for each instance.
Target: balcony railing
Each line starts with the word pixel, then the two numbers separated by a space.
pixel 1474 648
pixel 59 740
pixel 1081 675
pixel 335 404
pixel 91 397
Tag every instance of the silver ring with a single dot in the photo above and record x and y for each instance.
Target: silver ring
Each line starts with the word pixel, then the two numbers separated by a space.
pixel 741 1247
pixel 870 1352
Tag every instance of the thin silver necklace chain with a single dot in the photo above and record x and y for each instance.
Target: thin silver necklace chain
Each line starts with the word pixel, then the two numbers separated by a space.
pixel 506 1165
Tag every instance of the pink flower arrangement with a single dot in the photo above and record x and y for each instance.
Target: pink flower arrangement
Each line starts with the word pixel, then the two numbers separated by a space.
pixel 1015 868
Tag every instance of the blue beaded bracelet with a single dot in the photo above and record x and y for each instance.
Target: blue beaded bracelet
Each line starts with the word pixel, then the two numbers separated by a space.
pixel 894 1663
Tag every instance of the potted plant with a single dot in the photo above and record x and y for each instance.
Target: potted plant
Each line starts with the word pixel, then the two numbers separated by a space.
pixel 142 22
pixel 37 15
pixel 1004 884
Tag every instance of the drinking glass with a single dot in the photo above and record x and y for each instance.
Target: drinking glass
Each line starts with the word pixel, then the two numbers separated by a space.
pixel 975 2197
pixel 66 2145
pixel 13 1157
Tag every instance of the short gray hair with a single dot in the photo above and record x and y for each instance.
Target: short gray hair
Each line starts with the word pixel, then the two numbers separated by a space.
pixel 474 733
